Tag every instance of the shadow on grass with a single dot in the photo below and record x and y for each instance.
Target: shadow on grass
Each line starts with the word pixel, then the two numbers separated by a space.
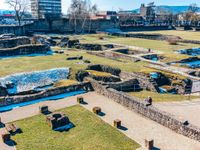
pixel 11 143
pixel 18 131
pixel 65 128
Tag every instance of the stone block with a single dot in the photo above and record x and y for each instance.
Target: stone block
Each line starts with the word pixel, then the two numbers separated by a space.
pixel 44 109
pixel 80 100
pixel 96 110
pixel 149 144
pixel 117 123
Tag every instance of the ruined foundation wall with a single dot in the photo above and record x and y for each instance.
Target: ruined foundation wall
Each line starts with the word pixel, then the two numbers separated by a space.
pixel 150 112
pixel 144 81
pixel 24 50
pixel 46 93
pixel 13 42
pixel 113 55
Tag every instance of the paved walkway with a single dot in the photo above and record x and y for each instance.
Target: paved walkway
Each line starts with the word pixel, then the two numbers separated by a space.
pixel 187 110
pixel 138 128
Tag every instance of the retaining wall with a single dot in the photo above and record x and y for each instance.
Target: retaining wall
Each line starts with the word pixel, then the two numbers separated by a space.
pixel 46 93
pixel 24 50
pixel 113 55
pixel 190 41
pixel 13 42
pixel 150 112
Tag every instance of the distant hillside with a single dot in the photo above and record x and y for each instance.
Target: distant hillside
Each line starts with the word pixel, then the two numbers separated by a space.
pixel 172 9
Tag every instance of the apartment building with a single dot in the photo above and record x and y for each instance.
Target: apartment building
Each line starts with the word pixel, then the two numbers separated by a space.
pixel 41 8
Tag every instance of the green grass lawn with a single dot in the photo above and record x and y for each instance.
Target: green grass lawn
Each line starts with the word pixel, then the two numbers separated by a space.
pixel 188 35
pixel 162 46
pixel 167 50
pixel 160 97
pixel 89 133
pixel 26 64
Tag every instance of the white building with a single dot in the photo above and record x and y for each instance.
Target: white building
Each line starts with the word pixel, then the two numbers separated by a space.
pixel 40 8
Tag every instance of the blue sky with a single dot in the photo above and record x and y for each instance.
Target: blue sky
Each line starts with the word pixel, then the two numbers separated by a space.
pixel 121 4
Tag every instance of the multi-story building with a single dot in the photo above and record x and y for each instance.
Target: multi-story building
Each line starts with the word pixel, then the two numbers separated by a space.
pixel 148 13
pixel 41 8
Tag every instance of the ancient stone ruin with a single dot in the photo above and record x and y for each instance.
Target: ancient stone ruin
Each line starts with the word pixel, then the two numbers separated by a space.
pixel 57 120
pixel 22 46
pixel 98 71
pixel 14 42
pixel 75 43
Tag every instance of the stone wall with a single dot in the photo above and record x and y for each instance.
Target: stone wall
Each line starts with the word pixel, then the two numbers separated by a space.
pixel 144 28
pixel 24 50
pixel 13 29
pixel 150 112
pixel 46 93
pixel 190 41
pixel 113 55
pixel 144 36
pixel 13 42
pixel 58 26
pixel 64 26
pixel 104 68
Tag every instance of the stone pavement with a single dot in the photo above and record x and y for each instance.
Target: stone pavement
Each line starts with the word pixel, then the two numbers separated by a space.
pixel 187 110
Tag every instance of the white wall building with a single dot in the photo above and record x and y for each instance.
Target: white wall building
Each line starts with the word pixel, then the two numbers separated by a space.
pixel 40 8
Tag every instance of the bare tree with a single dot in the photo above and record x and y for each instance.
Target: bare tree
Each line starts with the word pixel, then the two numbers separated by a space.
pixel 20 7
pixel 193 8
pixel 79 13
pixel 93 11
pixel 191 15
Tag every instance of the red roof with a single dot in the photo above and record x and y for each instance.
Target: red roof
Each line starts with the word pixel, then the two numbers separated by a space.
pixel 8 15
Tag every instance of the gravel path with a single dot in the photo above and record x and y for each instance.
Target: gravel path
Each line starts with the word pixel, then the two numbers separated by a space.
pixel 136 127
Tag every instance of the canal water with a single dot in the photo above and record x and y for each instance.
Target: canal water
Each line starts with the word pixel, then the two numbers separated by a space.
pixel 56 97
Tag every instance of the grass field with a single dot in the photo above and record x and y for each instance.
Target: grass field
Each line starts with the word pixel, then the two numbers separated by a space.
pixel 160 97
pixel 26 64
pixel 161 46
pixel 187 35
pixel 89 133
